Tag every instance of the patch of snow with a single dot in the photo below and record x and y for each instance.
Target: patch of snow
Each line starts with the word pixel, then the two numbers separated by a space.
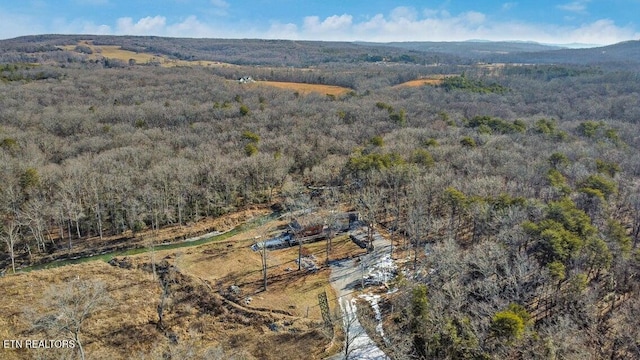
pixel 275 243
pixel 361 346
pixel 309 263
pixel 373 301
pixel 382 271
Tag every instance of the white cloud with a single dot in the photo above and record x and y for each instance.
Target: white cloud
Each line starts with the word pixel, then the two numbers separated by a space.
pixel 193 28
pixel 406 24
pixel 602 32
pixel 64 26
pixel 435 13
pixel 282 31
pixel 440 26
pixel 220 7
pixel 579 6
pixel 474 17
pixel 145 26
pixel 14 25
pixel 403 13
pixel 312 24
pixel 90 28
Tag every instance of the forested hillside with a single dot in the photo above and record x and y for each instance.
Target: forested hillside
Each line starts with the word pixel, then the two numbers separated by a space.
pixel 516 188
pixel 240 52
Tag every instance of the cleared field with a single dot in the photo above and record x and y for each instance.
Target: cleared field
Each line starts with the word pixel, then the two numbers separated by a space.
pixel 127 320
pixel 306 89
pixel 116 52
pixel 283 322
pixel 232 262
pixel 128 243
pixel 431 80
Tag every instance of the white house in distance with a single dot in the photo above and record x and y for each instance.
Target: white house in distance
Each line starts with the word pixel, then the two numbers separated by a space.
pixel 246 80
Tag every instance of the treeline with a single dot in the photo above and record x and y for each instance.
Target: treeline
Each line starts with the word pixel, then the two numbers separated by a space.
pixel 27 72
pixel 128 125
pixel 463 83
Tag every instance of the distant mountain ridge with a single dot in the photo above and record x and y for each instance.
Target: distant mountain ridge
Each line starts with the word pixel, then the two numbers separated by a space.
pixel 463 48
pixel 624 53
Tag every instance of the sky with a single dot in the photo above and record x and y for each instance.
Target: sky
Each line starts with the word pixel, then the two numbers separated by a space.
pixel 589 22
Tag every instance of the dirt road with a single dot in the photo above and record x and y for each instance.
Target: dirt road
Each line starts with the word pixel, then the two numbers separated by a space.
pixel 346 277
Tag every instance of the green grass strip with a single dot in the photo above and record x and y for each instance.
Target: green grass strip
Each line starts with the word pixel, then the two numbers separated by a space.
pixel 140 250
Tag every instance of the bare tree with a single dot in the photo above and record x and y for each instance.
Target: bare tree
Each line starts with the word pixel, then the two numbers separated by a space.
pixel 303 229
pixel 417 224
pixel 296 198
pixel 10 234
pixel 635 210
pixel 33 215
pixel 94 187
pixel 353 330
pixel 72 202
pixel 332 218
pixel 332 229
pixel 263 257
pixel 72 304
pixel 369 202
pixel 167 274
pixel 396 180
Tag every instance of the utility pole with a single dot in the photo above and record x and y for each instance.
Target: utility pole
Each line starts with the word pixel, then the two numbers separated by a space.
pixel 263 255
pixel 362 271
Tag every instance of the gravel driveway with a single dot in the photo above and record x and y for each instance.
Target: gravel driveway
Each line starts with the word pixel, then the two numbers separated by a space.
pixel 346 277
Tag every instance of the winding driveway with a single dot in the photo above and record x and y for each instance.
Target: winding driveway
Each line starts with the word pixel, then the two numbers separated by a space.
pixel 346 277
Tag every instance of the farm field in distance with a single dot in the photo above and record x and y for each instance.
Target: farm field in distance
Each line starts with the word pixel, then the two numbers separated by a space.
pixel 305 89
pixel 434 80
pixel 501 189
pixel 115 52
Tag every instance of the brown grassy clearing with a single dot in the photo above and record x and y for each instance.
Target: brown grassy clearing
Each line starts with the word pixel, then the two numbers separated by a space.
pixel 305 89
pixel 116 52
pixel 232 262
pixel 493 68
pixel 128 322
pixel 430 80
pixel 128 240
pixel 201 312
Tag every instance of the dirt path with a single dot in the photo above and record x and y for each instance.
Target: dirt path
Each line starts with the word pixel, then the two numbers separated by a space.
pixel 346 277
pixel 163 242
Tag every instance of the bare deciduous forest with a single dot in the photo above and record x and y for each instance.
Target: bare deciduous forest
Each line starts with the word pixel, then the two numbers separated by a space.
pixel 511 189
